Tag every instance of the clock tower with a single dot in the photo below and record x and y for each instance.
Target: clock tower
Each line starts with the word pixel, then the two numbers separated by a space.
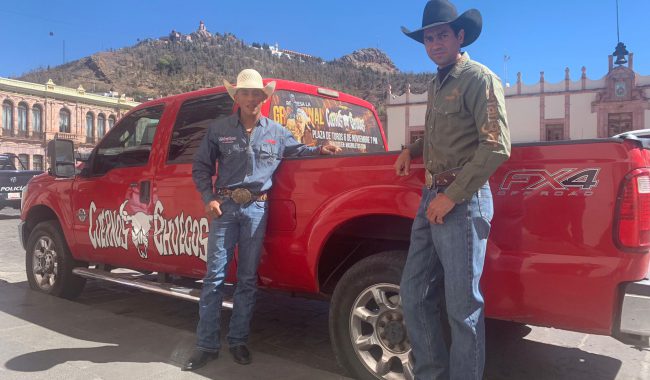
pixel 620 106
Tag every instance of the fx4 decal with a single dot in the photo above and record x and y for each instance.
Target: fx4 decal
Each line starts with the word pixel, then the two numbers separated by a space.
pixel 563 182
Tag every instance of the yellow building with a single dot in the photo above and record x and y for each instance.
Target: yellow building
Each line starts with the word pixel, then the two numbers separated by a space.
pixel 33 114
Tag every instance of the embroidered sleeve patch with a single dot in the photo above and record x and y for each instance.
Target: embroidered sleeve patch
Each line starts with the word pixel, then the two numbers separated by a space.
pixel 491 127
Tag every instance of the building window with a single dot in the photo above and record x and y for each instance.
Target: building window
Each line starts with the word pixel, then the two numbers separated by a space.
pixel 22 118
pixel 38 162
pixel 90 128
pixel 64 121
pixel 111 122
pixel 7 115
pixel 619 123
pixel 554 132
pixel 37 126
pixel 24 159
pixel 414 135
pixel 101 125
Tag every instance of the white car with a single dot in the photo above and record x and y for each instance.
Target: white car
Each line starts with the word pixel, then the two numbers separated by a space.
pixel 639 133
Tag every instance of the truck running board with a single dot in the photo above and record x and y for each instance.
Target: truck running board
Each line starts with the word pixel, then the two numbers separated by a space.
pixel 134 280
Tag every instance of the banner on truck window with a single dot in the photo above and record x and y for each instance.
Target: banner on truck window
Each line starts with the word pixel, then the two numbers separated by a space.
pixel 314 120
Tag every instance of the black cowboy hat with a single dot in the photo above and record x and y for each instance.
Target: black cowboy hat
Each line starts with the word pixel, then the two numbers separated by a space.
pixel 439 12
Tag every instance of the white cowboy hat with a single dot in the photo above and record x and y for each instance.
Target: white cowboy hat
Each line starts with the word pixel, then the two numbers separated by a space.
pixel 249 78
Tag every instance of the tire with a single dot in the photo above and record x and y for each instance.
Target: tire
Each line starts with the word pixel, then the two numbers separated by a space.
pixel 366 323
pixel 49 263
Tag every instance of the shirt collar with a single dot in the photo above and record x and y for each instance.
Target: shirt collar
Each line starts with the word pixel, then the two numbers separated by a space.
pixel 262 122
pixel 460 65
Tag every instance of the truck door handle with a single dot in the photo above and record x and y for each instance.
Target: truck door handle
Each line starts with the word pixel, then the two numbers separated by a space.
pixel 145 192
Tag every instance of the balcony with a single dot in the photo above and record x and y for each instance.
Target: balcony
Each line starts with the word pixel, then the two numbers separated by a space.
pixel 90 140
pixel 36 135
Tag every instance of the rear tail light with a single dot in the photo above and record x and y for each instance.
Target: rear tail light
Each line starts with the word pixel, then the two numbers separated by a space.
pixel 633 212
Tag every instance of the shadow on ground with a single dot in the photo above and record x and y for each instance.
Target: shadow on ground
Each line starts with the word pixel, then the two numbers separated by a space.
pixel 160 328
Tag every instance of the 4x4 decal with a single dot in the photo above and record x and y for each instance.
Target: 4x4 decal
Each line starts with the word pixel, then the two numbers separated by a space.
pixel 565 181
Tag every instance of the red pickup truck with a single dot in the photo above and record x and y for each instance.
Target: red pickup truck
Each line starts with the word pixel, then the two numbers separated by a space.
pixel 568 249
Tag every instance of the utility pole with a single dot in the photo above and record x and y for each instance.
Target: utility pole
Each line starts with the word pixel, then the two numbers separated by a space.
pixel 506 58
pixel 62 48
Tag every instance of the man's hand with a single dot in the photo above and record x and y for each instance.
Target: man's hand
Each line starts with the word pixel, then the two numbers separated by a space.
pixel 213 209
pixel 329 149
pixel 403 163
pixel 438 208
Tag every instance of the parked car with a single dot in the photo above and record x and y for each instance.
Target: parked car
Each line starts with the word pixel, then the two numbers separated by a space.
pixel 13 178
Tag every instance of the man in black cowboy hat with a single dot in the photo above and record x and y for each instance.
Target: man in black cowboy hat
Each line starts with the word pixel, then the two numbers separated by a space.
pixel 466 138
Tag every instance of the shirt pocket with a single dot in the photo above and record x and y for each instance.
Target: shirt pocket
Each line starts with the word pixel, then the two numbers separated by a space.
pixel 266 154
pixel 448 115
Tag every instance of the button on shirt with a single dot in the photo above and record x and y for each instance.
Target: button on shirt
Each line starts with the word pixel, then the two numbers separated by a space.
pixel 243 161
pixel 465 127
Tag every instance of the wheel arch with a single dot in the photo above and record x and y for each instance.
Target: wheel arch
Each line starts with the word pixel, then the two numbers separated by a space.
pixel 360 224
pixel 35 215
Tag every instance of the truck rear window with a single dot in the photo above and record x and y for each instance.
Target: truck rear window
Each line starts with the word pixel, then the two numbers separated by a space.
pixel 315 120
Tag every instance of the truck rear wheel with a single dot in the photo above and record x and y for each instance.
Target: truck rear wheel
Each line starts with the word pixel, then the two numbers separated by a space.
pixel 49 263
pixel 366 322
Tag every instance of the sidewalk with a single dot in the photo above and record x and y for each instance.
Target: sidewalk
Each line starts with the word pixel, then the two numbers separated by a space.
pixel 43 337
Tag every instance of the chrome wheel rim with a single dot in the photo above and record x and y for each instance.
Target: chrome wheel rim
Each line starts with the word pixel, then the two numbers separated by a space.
pixel 378 333
pixel 45 263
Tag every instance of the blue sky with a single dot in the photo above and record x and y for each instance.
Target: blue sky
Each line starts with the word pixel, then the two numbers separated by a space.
pixel 537 35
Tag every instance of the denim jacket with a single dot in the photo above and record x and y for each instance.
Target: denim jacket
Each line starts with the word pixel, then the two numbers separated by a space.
pixel 243 163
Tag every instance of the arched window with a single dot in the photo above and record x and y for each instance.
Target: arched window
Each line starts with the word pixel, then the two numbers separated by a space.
pixel 101 125
pixel 90 128
pixel 7 116
pixel 64 121
pixel 111 122
pixel 37 125
pixel 22 118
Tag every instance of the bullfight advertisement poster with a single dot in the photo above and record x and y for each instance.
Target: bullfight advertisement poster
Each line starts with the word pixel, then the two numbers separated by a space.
pixel 314 120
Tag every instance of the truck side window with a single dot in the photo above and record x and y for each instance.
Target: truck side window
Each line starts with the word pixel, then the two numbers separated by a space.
pixel 192 122
pixel 129 142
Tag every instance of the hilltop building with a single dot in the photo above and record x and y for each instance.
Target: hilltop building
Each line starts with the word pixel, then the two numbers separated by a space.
pixel 543 111
pixel 33 114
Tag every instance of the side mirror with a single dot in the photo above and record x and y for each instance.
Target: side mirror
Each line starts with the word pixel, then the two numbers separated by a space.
pixel 61 156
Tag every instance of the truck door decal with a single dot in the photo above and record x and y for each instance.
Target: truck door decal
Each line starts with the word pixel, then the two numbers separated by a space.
pixel 177 236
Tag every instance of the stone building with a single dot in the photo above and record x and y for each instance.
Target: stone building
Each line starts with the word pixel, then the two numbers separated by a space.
pixel 33 114
pixel 544 111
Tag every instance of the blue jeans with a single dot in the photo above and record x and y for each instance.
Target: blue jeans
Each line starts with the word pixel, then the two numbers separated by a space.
pixel 447 257
pixel 242 225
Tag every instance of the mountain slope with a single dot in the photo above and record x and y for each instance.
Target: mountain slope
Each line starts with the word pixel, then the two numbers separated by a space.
pixel 178 63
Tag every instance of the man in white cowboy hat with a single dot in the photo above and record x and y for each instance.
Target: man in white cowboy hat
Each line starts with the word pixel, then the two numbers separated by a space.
pixel 466 138
pixel 248 148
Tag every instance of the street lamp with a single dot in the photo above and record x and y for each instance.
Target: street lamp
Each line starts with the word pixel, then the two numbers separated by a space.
pixel 62 47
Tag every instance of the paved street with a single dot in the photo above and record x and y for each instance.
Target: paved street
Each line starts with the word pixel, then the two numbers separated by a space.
pixel 112 332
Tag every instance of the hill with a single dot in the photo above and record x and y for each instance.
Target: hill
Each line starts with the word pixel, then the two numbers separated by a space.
pixel 179 63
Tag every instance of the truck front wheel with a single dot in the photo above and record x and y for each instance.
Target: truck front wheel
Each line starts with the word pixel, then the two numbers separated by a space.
pixel 366 322
pixel 49 263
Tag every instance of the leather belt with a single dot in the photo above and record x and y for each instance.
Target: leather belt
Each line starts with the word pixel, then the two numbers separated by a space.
pixel 241 195
pixel 441 179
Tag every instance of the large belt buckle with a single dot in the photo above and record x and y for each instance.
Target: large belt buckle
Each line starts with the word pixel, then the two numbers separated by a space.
pixel 241 195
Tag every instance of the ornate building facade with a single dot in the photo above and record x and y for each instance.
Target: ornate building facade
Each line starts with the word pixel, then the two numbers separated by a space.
pixel 33 114
pixel 543 111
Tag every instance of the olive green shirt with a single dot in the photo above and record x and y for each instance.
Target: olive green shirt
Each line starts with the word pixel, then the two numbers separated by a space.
pixel 465 127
